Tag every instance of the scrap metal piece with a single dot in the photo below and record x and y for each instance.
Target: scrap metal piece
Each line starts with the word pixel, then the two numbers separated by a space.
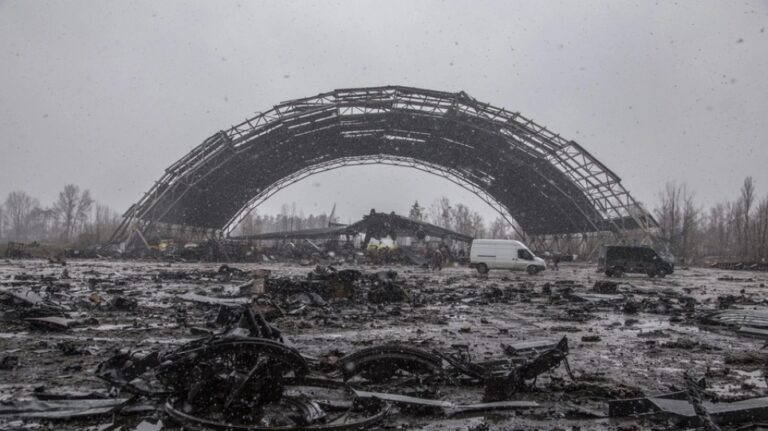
pixel 502 388
pixel 30 304
pixel 753 332
pixel 380 363
pixel 9 362
pixel 529 347
pixel 233 378
pixel 446 407
pixel 56 323
pixel 594 298
pixel 734 317
pixel 331 395
pixel 311 412
pixel 126 366
pixel 346 421
pixel 210 300
pixel 474 371
pixel 253 324
pixel 695 397
pixel 60 409
pixel 723 413
pixel 325 281
pixel 230 352
pixel 52 323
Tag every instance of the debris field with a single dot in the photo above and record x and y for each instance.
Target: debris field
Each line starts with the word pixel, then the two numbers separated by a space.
pixel 146 345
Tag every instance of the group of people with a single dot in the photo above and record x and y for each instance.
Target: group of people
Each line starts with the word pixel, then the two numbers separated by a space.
pixel 435 259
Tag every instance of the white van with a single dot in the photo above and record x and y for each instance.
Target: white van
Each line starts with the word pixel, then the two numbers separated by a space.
pixel 486 254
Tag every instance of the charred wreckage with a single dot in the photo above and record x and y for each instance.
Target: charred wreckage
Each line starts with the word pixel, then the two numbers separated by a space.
pixel 239 371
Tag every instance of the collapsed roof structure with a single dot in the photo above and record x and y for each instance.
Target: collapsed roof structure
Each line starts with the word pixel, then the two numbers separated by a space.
pixel 541 182
pixel 374 225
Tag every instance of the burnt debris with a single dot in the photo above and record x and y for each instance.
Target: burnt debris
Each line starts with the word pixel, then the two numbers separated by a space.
pixel 357 347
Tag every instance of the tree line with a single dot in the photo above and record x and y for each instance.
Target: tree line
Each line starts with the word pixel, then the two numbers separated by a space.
pixel 458 217
pixel 732 230
pixel 75 218
pixel 289 219
pixel 729 231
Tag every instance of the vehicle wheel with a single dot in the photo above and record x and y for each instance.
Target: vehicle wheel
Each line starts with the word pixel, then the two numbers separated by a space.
pixel 618 272
pixel 482 268
pixel 608 273
pixel 532 270
pixel 651 273
pixel 661 273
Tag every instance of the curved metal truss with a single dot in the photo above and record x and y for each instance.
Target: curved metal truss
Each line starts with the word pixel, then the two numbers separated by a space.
pixel 548 185
pixel 454 177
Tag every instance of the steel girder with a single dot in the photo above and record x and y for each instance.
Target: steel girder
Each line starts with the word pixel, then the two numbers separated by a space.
pixel 542 182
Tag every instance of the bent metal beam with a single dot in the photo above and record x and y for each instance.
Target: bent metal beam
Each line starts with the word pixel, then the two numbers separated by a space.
pixel 543 183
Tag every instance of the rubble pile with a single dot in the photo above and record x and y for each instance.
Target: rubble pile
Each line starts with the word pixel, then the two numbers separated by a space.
pixel 133 345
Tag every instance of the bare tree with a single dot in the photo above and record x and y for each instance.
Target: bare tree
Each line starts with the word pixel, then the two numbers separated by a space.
pixel 301 221
pixel 105 221
pixel 689 227
pixel 477 225
pixel 717 232
pixel 83 210
pixel 72 208
pixel 42 223
pixel 416 212
pixel 459 218
pixel 284 217
pixel 462 219
pixel 499 229
pixel 293 216
pixel 248 225
pixel 745 206
pixel 66 207
pixel 761 231
pixel 441 213
pixel 254 223
pixel 18 206
pixel 678 219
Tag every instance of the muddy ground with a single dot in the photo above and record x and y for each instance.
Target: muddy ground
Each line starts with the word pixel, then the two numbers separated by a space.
pixel 640 349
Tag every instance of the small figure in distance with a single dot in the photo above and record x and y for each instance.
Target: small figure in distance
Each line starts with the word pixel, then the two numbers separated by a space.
pixel 437 260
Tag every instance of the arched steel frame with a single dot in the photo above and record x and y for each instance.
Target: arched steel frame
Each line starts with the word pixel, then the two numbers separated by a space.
pixel 448 174
pixel 547 184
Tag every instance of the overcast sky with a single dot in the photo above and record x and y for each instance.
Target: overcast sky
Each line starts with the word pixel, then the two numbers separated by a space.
pixel 108 94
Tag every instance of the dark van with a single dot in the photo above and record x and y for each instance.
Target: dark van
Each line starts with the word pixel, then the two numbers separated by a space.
pixel 615 260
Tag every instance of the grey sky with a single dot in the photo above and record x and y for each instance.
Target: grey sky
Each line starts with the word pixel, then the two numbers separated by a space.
pixel 108 94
